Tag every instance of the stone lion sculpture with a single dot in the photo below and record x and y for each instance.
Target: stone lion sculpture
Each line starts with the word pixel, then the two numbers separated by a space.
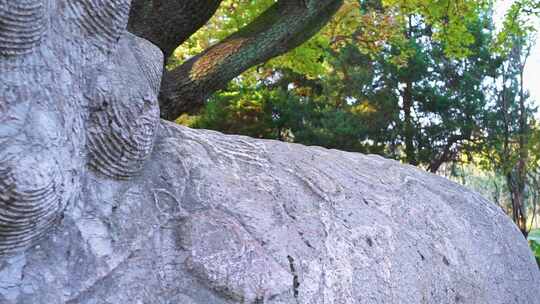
pixel 101 202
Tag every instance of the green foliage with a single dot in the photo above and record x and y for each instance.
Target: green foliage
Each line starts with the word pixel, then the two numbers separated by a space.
pixel 449 19
pixel 238 112
pixel 519 22
pixel 305 59
pixel 534 242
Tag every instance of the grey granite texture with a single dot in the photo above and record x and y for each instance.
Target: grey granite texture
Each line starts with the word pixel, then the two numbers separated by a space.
pixel 100 202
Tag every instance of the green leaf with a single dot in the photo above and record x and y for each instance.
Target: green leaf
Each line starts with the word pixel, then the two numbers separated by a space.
pixel 534 236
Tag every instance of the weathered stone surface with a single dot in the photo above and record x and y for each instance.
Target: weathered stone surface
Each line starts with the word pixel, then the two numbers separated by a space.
pixel 100 202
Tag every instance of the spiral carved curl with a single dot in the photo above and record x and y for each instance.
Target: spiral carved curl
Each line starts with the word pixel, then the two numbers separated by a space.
pixel 22 25
pixel 104 20
pixel 122 137
pixel 124 123
pixel 30 201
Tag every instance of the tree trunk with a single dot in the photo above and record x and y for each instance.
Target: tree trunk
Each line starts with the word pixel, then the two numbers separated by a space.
pixel 408 131
pixel 408 102
pixel 168 23
pixel 520 214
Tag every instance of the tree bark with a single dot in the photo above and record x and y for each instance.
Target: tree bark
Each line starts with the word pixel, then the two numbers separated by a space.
pixel 407 95
pixel 520 211
pixel 284 26
pixel 168 23
pixel 410 153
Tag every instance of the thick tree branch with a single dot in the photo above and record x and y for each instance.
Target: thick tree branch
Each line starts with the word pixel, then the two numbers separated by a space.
pixel 168 23
pixel 284 26
pixel 448 153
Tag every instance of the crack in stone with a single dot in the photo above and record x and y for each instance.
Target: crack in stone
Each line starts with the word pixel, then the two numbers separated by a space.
pixel 296 281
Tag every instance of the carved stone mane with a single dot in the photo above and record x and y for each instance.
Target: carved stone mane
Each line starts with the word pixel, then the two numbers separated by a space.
pixel 101 202
pixel 78 92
